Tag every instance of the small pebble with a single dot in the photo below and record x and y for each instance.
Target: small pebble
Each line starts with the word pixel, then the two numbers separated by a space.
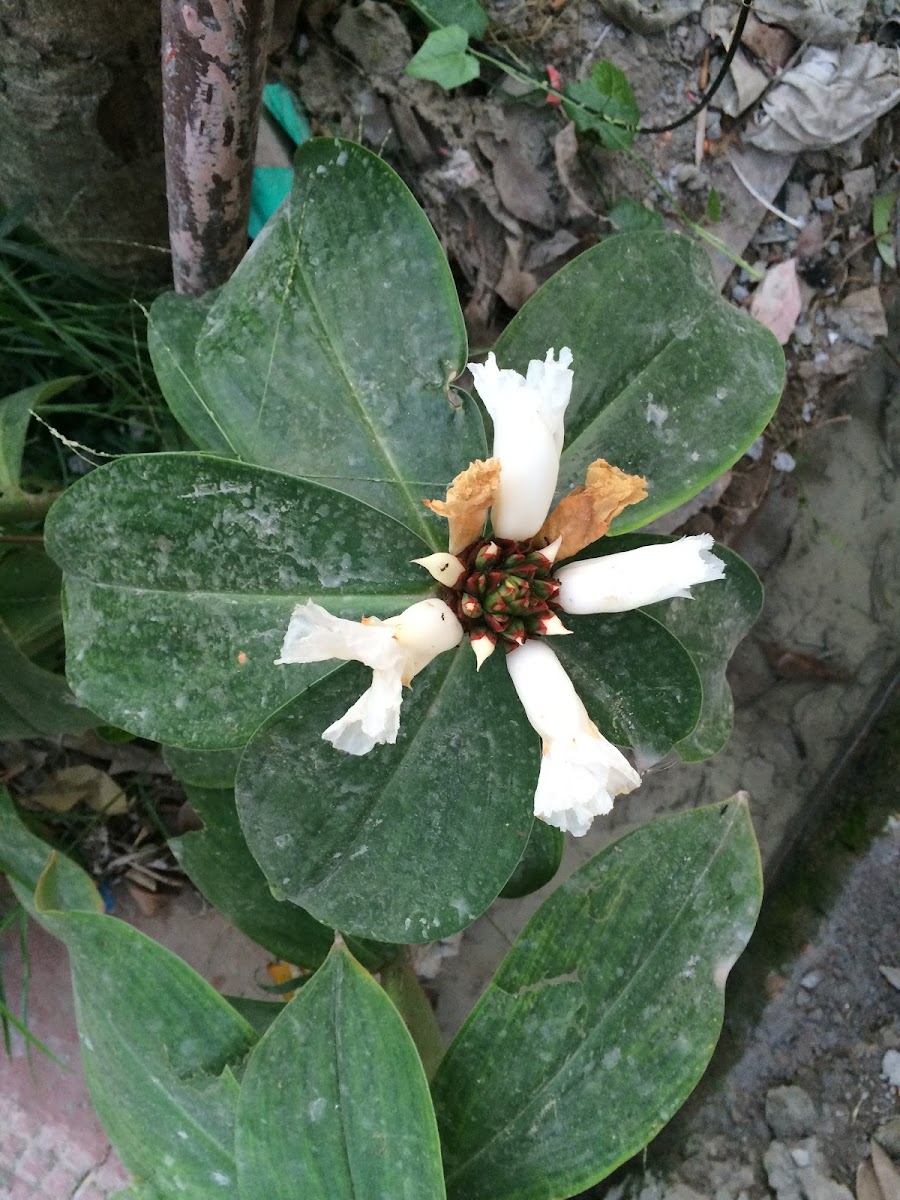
pixel 786 462
pixel 800 1156
pixel 824 203
pixel 811 980
pixel 755 451
pixel 739 293
pixel 808 411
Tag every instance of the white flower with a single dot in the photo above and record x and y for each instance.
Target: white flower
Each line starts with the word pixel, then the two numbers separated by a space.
pixel 528 437
pixel 634 578
pixel 396 650
pixel 581 772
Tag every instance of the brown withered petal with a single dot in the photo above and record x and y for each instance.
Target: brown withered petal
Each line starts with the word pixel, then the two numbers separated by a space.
pixel 587 512
pixel 469 497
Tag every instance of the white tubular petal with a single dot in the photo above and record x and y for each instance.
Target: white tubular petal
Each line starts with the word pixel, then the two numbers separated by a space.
pixel 445 568
pixel 581 772
pixel 373 720
pixel 634 578
pixel 315 635
pixel 396 650
pixel 423 631
pixel 528 415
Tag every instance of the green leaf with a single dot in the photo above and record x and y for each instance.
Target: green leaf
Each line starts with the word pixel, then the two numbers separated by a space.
pixel 882 210
pixel 24 857
pixel 212 769
pixel 15 414
pixel 30 585
pixel 217 861
pixel 637 681
pixel 158 1046
pixel 196 598
pixel 604 1014
pixel 629 216
pixel 538 864
pixel 468 14
pixel 334 1103
pixel 671 381
pixel 329 352
pixel 604 104
pixel 410 842
pixel 443 58
pixel 402 984
pixel 174 323
pixel 709 626
pixel 35 702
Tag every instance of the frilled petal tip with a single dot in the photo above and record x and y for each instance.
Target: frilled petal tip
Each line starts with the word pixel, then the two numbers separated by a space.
pixel 374 720
pixel 316 635
pixel 528 412
pixel 581 771
pixel 578 781
pixel 634 578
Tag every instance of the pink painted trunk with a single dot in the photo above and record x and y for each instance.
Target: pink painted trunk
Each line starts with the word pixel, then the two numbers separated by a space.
pixel 213 65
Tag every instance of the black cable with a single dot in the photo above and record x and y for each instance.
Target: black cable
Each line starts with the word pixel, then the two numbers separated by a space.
pixel 746 5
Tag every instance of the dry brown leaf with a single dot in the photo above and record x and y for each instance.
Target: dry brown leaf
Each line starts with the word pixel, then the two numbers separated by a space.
pixel 469 497
pixel 81 785
pixel 886 1173
pixel 866 1183
pixel 587 512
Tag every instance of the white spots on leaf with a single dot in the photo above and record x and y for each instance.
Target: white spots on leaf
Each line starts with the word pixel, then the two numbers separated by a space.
pixel 182 1134
pixel 611 1058
pixel 220 1178
pixel 656 414
pixel 359 853
pixel 283 840
pixel 315 1110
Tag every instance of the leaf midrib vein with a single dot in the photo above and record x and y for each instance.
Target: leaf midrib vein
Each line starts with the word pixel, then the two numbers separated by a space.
pixel 351 388
pixel 604 1019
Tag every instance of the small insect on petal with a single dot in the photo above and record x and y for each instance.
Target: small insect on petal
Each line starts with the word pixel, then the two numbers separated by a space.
pixel 445 568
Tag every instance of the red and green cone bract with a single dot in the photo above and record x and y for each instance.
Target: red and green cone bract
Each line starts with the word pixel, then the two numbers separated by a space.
pixel 505 593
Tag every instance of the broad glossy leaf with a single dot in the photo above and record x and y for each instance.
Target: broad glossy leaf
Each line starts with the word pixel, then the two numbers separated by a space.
pixel 181 571
pixel 158 1046
pixel 410 842
pixel 329 352
pixel 671 381
pixel 157 1041
pixel 217 861
pixel 539 862
pixel 604 1014
pixel 709 626
pixel 35 702
pixel 637 681
pixel 173 325
pixel 334 1103
pixel 212 769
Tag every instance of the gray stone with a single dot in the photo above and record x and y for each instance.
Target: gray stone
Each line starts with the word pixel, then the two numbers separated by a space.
pixel 790 1112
